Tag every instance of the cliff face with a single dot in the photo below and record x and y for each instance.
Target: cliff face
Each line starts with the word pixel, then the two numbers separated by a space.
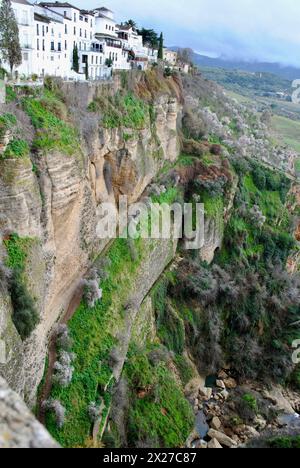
pixel 18 427
pixel 52 197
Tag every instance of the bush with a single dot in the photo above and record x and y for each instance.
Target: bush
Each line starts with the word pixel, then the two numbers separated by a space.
pixel 247 408
pixel 25 316
pixel 285 442
pixel 63 369
pixel 52 131
pixel 16 149
pixel 59 411
pixel 94 412
pixel 159 415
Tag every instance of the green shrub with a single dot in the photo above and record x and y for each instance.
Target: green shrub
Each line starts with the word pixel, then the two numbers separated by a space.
pixel 16 149
pixel 7 121
pixel 160 416
pixel 122 111
pixel 46 114
pixel 25 316
pixel 285 442
pixel 11 94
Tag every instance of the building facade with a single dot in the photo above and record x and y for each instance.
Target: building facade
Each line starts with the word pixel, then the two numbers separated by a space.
pixel 50 31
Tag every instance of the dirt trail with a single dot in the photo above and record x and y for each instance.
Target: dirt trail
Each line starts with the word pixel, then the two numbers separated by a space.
pixel 52 355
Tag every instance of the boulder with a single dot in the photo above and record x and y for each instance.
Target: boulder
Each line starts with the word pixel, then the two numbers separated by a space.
pixel 192 389
pixel 222 375
pixel 230 383
pixel 216 423
pixel 214 444
pixel 201 444
pixel 220 384
pixel 222 438
pixel 224 395
pixel 205 393
pixel 276 397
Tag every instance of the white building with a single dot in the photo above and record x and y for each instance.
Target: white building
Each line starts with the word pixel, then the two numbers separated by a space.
pixel 24 13
pixel 170 57
pixel 106 34
pixel 138 55
pixel 49 32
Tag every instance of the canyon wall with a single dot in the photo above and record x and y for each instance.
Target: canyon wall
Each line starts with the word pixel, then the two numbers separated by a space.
pixel 52 198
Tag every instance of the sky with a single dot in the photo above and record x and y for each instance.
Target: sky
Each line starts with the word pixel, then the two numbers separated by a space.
pixel 252 30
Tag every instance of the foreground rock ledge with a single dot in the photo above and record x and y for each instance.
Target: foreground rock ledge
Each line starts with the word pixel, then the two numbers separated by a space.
pixel 18 426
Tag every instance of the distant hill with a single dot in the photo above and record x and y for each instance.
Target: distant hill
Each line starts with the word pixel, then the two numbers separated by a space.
pixel 287 73
pixel 249 83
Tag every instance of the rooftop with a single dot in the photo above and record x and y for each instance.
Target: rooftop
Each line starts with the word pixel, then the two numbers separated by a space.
pixel 58 5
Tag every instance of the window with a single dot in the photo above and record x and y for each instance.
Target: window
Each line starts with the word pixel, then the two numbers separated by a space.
pixel 66 45
pixel 38 29
pixel 66 29
pixel 75 17
pixel 65 14
pixel 43 31
pixel 52 46
pixel 24 19
pixel 38 44
pixel 43 45
pixel 59 47
pixel 25 57
pixel 80 33
pixel 75 30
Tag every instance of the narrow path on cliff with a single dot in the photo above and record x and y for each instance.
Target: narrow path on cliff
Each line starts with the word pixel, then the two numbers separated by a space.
pixel 52 355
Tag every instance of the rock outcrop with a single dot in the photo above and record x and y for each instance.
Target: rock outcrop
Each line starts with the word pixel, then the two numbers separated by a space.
pixel 18 427
pixel 56 204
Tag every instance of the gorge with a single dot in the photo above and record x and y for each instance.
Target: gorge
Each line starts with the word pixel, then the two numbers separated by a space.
pixel 136 326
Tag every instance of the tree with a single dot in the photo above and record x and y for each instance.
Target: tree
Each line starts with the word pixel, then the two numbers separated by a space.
pixel 161 47
pixel 185 56
pixel 150 37
pixel 9 36
pixel 131 23
pixel 87 69
pixel 76 59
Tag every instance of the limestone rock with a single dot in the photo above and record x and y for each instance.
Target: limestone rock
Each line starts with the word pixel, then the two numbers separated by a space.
pixel 222 438
pixel 214 444
pixel 216 423
pixel 18 427
pixel 220 384
pixel 230 383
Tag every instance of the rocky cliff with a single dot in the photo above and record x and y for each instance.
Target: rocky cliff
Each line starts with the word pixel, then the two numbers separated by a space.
pixel 120 366
pixel 51 195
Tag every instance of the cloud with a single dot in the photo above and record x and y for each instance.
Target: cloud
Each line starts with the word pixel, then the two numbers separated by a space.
pixel 265 30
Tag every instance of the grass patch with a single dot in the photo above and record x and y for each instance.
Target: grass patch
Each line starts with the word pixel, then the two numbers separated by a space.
pixel 52 132
pixel 16 149
pixel 288 130
pixel 122 111
pixel 93 332
pixel 161 417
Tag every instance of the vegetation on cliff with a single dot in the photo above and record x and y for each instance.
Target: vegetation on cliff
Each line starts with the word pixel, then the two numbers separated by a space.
pixel 25 316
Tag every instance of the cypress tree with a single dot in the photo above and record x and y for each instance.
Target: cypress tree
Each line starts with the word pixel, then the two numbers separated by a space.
pixel 9 36
pixel 76 59
pixel 161 47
